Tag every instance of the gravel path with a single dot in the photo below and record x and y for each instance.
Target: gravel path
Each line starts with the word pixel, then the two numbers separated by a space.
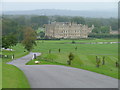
pixel 57 76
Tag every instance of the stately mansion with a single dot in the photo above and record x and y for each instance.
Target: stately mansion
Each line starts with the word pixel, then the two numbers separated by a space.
pixel 67 30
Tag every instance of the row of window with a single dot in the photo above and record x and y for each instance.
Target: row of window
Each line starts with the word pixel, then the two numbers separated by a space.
pixel 71 34
pixel 72 31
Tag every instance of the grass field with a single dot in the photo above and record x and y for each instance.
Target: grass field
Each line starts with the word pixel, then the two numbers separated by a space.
pixel 84 56
pixel 0 73
pixel 12 77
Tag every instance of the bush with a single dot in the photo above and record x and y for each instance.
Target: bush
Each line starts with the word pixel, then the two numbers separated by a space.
pixel 94 35
pixel 71 57
pixel 73 42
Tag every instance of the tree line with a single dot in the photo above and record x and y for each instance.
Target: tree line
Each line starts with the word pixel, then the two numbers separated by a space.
pixel 38 21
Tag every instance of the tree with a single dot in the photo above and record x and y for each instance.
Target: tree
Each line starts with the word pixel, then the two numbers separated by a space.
pixel 62 19
pixel 103 61
pixel 76 48
pixel 98 62
pixel 39 21
pixel 96 30
pixel 59 50
pixel 78 20
pixel 21 20
pixel 73 42
pixel 20 34
pixel 9 26
pixel 117 64
pixel 102 29
pixel 5 43
pixel 8 41
pixel 29 38
pixel 71 57
pixel 105 29
pixel 42 34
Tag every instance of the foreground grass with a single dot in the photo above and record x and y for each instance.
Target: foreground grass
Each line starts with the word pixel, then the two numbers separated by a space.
pixel 0 73
pixel 84 56
pixel 12 77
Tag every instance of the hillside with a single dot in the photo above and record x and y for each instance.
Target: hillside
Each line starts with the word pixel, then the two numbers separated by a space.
pixel 51 12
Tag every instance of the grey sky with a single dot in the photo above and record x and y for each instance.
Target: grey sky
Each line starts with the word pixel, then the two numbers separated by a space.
pixel 15 6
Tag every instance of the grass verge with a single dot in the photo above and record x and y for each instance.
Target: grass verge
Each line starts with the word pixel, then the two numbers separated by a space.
pixel 13 77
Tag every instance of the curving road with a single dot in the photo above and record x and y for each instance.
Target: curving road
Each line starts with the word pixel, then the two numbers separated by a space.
pixel 56 76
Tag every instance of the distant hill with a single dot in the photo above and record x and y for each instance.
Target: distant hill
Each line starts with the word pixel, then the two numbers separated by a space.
pixel 51 12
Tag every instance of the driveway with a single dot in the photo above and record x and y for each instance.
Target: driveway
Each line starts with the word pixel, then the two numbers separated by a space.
pixel 57 76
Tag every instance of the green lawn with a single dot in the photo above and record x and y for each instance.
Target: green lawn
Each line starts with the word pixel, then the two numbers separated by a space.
pixel 12 77
pixel 84 59
pixel 0 73
pixel 85 55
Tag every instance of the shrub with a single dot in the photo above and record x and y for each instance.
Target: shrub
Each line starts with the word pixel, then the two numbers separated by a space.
pixel 71 57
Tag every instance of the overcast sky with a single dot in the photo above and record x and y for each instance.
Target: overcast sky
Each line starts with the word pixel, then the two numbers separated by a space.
pixel 60 0
pixel 11 5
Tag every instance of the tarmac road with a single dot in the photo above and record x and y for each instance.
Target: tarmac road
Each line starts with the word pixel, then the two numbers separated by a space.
pixel 57 76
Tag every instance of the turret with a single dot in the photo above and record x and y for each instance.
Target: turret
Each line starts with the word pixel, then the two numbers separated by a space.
pixel 110 28
pixel 93 26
